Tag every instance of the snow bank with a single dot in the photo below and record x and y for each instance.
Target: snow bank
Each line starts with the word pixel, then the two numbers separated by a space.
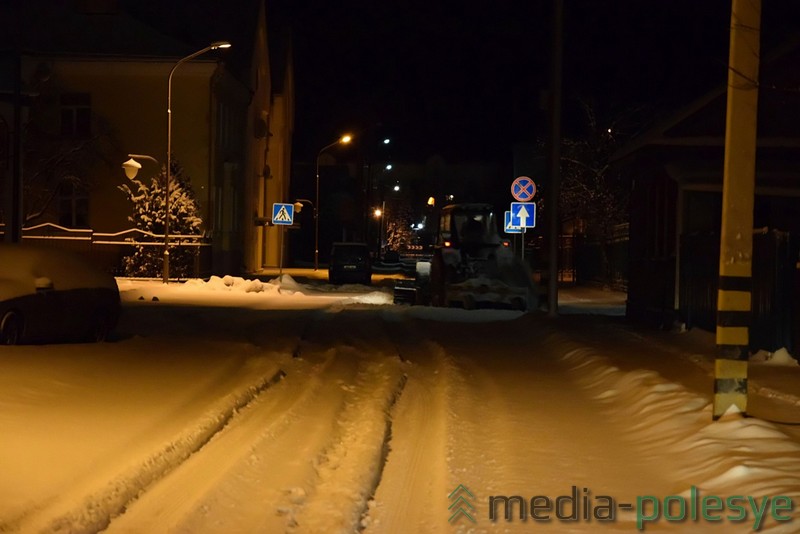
pixel 780 357
pixel 282 286
pixel 732 456
pixel 228 283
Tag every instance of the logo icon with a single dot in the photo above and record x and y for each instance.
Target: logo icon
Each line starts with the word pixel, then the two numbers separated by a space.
pixel 460 507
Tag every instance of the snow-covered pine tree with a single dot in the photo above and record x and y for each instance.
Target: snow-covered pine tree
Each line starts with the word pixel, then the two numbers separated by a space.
pixel 148 215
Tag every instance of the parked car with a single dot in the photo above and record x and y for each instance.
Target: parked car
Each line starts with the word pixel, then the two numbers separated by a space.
pixel 349 262
pixel 50 295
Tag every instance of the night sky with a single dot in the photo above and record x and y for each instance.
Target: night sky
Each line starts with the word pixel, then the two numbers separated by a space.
pixel 465 79
pixel 466 82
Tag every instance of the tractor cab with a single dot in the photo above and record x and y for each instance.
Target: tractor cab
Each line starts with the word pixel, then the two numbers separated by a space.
pixel 470 228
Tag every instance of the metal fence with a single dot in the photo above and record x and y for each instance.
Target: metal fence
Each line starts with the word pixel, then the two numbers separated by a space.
pixel 108 250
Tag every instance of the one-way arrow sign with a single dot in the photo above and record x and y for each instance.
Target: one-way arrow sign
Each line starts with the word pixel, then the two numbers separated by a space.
pixel 523 214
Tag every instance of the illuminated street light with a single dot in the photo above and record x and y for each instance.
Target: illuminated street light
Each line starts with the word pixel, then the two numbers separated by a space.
pixel 132 166
pixel 396 187
pixel 213 46
pixel 343 140
pixel 298 204
pixel 380 214
pixel 386 141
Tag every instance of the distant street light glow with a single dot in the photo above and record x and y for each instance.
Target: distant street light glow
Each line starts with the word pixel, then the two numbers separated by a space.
pixel 346 138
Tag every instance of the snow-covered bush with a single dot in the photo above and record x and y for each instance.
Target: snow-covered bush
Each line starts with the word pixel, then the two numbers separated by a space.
pixel 148 215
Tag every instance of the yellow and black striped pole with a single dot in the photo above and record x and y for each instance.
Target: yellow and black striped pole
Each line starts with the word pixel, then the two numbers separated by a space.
pixel 738 191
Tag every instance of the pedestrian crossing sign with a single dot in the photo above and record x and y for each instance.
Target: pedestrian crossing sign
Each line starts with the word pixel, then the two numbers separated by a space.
pixel 511 229
pixel 282 213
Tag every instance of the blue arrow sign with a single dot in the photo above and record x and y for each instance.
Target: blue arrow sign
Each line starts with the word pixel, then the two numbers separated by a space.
pixel 509 228
pixel 523 189
pixel 523 214
pixel 282 214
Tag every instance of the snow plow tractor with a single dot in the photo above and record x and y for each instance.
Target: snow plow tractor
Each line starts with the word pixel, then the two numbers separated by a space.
pixel 471 267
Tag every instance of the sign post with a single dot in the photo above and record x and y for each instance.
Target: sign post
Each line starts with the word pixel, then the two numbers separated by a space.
pixel 282 215
pixel 523 189
pixel 511 229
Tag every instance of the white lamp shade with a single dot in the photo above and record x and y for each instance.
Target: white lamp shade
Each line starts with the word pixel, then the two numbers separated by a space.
pixel 131 168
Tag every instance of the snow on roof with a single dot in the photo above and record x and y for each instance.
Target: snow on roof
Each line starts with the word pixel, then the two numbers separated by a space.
pixel 23 267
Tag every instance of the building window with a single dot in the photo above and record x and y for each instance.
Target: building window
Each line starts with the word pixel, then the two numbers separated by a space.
pixel 73 206
pixel 76 115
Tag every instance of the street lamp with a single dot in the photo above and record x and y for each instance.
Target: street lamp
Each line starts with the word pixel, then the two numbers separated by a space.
pixel 298 204
pixel 213 46
pixel 132 166
pixel 343 140
pixel 380 215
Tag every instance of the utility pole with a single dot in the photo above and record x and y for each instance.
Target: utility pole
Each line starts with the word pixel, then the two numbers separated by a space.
pixel 738 192
pixel 554 158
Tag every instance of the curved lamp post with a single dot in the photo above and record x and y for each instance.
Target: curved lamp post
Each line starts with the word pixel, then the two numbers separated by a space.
pixel 213 46
pixel 132 166
pixel 298 204
pixel 343 140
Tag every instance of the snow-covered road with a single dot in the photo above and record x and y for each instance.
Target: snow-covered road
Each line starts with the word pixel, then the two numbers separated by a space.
pixel 329 414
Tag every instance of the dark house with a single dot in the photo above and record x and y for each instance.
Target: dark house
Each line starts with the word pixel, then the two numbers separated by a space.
pixel 676 170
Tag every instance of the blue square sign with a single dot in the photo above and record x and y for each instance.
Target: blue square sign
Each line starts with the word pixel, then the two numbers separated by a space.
pixel 523 214
pixel 509 228
pixel 282 214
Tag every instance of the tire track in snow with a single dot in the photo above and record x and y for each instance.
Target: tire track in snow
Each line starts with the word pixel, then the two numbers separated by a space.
pixel 520 426
pixel 100 505
pixel 385 448
pixel 350 466
pixel 308 454
pixel 413 486
pixel 207 491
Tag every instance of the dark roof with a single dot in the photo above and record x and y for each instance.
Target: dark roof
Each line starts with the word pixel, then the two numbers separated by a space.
pixel 779 97
pixel 62 27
